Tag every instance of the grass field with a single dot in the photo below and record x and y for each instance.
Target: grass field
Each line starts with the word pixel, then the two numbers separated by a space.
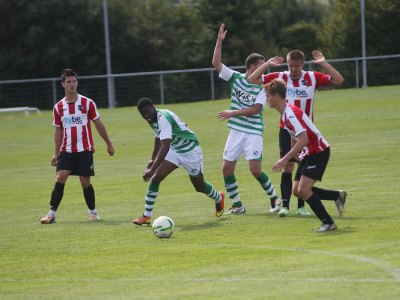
pixel 251 256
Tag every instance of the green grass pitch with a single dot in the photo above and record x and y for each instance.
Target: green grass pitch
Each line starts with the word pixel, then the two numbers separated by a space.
pixel 253 256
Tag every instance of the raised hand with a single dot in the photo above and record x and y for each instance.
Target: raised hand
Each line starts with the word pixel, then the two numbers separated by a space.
pixel 275 61
pixel 222 32
pixel 318 57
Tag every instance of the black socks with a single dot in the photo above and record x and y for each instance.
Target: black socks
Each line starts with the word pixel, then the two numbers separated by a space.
pixel 89 197
pixel 319 209
pixel 56 196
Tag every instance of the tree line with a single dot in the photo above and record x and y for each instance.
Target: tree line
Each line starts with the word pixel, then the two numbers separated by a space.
pixel 40 38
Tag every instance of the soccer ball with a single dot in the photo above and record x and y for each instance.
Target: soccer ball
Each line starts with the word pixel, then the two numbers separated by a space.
pixel 163 227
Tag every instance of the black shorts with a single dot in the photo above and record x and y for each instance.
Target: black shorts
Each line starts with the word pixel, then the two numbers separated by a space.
pixel 313 166
pixel 79 163
pixel 285 143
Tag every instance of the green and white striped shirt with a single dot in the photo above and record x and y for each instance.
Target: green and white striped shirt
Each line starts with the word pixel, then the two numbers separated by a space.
pixel 244 95
pixel 169 126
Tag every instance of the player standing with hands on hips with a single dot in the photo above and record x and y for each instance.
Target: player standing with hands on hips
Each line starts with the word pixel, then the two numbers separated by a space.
pixel 301 87
pixel 73 144
pixel 246 124
pixel 314 154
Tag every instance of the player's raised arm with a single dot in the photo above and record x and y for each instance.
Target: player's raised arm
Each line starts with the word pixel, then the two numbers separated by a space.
pixel 255 77
pixel 319 59
pixel 216 61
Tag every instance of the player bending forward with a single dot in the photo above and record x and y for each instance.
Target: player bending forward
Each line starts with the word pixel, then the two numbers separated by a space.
pixel 314 155
pixel 175 145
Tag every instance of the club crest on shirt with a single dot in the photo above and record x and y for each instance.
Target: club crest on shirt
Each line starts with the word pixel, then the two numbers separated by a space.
pixel 80 107
pixel 244 97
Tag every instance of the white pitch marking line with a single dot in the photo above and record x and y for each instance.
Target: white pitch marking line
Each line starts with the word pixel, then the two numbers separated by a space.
pixel 395 272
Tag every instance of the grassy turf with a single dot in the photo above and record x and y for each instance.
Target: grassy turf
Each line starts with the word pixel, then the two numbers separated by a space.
pixel 252 256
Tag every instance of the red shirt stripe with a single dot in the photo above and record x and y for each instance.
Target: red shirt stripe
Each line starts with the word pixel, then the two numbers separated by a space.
pixel 301 92
pixel 74 119
pixel 295 122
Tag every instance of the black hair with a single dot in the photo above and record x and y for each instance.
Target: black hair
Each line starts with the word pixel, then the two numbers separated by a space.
pixel 66 73
pixel 144 102
pixel 253 59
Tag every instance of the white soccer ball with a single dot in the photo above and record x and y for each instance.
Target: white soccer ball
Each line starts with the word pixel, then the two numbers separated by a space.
pixel 163 227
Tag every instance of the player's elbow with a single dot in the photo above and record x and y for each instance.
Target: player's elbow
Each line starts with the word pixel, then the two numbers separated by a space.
pixel 338 81
pixel 217 65
pixel 252 80
pixel 302 140
pixel 256 110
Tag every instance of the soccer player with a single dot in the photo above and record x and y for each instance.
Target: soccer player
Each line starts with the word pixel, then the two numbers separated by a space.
pixel 246 125
pixel 312 150
pixel 301 86
pixel 175 145
pixel 73 144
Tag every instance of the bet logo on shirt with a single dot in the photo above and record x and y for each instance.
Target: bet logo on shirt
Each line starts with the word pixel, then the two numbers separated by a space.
pixel 296 92
pixel 72 120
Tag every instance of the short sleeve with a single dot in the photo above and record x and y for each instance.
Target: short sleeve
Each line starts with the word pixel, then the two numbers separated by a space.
pixel 57 118
pixel 226 73
pixel 322 79
pixel 93 114
pixel 165 128
pixel 269 77
pixel 261 98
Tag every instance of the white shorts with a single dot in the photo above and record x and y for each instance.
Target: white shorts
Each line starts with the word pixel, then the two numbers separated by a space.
pixel 240 142
pixel 191 161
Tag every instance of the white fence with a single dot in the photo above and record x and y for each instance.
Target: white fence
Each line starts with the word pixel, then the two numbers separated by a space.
pixel 176 86
pixel 25 109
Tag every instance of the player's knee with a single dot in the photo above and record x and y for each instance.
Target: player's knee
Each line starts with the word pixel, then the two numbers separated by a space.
pixel 301 193
pixel 61 178
pixel 85 182
pixel 256 172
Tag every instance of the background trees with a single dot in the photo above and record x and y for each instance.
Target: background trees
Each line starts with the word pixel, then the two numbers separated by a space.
pixel 40 38
pixel 341 32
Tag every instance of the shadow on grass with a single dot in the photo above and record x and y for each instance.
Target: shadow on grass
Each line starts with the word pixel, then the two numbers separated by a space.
pixel 312 216
pixel 105 222
pixel 207 225
pixel 338 232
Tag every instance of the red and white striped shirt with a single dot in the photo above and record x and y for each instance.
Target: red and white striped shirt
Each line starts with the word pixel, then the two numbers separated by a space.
pixel 74 119
pixel 295 121
pixel 300 92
